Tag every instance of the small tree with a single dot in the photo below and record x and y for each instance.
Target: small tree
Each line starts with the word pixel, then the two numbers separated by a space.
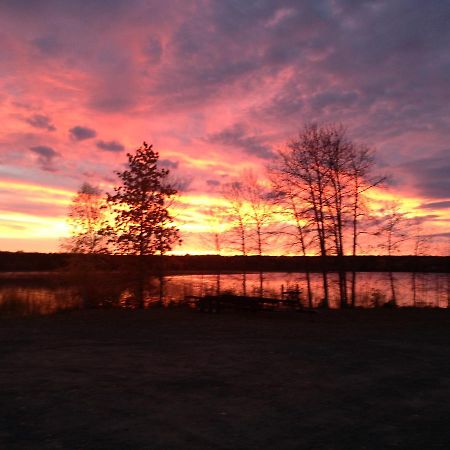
pixel 260 209
pixel 142 222
pixel 86 220
pixel 394 233
pixel 393 228
pixel 238 216
pixel 215 220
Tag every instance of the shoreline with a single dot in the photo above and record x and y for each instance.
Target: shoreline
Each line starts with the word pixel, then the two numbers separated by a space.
pixel 29 262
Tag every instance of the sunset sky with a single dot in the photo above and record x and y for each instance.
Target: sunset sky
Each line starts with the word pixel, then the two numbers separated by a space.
pixel 217 87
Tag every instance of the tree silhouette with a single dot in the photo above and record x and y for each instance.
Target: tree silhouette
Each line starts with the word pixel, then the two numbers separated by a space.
pixel 329 174
pixel 260 209
pixel 237 216
pixel 86 219
pixel 142 222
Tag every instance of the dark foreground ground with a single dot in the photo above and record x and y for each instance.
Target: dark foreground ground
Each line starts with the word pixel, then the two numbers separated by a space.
pixel 176 379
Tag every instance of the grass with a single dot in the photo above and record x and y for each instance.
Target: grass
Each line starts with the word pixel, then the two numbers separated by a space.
pixel 179 379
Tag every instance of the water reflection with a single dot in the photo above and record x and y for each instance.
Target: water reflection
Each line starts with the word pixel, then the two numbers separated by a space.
pixel 27 300
pixel 373 289
pixel 370 290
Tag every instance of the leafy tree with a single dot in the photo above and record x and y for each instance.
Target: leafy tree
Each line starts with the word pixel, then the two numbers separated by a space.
pixel 86 220
pixel 143 224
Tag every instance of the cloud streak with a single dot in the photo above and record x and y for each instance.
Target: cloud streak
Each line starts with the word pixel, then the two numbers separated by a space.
pixel 110 146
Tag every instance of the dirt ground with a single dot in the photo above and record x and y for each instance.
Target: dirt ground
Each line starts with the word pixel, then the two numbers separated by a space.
pixel 179 379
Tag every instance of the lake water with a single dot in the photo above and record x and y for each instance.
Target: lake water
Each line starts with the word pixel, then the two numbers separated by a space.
pixel 41 295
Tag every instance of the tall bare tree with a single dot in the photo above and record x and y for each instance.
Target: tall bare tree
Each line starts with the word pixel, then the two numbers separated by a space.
pixel 296 230
pixel 330 174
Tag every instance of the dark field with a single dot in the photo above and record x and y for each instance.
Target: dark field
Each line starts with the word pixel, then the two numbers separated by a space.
pixel 177 379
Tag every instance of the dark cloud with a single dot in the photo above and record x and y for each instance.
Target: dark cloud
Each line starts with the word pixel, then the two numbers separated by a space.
pixel 153 50
pixel 213 183
pixel 48 45
pixel 110 146
pixel 333 99
pixel 45 156
pixel 44 151
pixel 111 102
pixel 430 176
pixel 237 136
pixel 169 164
pixel 41 121
pixel 80 133
pixel 437 205
pixel 440 235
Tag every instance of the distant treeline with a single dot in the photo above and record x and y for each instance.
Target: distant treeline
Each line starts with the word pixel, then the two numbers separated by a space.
pixel 38 262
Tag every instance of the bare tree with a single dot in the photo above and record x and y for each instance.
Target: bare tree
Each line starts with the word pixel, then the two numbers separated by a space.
pixel 393 234
pixel 313 162
pixel 421 242
pixel 362 180
pixel 215 221
pixel 250 212
pixel 260 209
pixel 86 219
pixel 392 228
pixel 330 174
pixel 237 216
pixel 296 229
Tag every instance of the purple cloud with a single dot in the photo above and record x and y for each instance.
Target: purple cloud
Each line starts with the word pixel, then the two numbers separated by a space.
pixel 430 176
pixel 169 164
pixel 237 136
pixel 110 146
pixel 41 121
pixel 437 205
pixel 80 133
pixel 45 157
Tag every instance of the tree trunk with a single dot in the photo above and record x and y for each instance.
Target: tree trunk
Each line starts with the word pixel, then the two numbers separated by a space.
pixel 353 288
pixel 261 284
pixel 343 289
pixel 244 283
pixel 393 293
pixel 325 290
pixel 308 286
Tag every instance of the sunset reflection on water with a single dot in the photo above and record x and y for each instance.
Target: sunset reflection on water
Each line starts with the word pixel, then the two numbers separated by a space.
pixel 372 290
